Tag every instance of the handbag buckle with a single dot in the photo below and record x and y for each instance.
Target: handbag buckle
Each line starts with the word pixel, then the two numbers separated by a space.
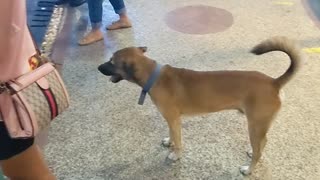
pixel 3 88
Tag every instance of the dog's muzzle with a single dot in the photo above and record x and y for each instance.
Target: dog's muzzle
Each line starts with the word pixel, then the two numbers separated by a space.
pixel 109 69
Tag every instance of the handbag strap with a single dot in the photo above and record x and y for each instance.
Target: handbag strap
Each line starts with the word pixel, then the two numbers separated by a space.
pixel 34 42
pixel 4 85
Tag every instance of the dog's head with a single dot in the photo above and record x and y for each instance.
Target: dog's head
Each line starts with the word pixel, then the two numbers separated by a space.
pixel 124 64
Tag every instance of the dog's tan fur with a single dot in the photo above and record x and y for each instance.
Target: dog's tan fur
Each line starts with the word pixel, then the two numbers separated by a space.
pixel 186 92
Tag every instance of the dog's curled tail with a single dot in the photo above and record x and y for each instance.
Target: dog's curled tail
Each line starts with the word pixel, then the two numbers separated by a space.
pixel 286 45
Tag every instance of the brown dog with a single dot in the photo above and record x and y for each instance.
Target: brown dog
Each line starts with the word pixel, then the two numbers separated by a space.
pixel 179 92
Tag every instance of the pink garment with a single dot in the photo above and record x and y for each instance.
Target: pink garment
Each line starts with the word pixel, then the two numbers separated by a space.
pixel 16 45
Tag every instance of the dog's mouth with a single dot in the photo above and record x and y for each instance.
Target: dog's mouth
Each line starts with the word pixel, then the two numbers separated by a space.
pixel 108 69
pixel 116 78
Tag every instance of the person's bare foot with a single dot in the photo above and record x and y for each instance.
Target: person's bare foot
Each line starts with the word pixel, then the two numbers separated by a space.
pixel 120 24
pixel 92 37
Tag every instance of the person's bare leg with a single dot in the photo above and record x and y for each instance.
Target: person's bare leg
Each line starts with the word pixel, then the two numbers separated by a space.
pixel 95 14
pixel 28 165
pixel 93 36
pixel 123 22
pixel 120 9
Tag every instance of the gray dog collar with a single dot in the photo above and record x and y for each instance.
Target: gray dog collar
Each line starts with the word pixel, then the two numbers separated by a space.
pixel 152 79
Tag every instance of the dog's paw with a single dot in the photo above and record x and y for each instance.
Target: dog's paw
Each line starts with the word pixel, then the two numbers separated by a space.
pixel 245 170
pixel 174 156
pixel 249 153
pixel 166 142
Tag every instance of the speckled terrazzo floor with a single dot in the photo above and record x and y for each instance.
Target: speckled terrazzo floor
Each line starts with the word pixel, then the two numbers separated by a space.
pixel 106 135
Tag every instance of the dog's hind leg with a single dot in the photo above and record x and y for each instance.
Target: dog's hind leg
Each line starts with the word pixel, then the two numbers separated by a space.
pixel 258 141
pixel 258 125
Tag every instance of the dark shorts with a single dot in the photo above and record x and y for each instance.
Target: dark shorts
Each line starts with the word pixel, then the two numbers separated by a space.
pixel 11 147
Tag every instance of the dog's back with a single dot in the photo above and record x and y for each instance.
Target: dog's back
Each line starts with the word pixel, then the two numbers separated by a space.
pixel 201 92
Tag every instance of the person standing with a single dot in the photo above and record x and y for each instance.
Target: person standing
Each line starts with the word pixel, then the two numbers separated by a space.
pixel 95 14
pixel 19 158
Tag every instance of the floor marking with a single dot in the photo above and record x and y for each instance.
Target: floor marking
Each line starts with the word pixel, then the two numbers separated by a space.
pixel 312 50
pixel 285 3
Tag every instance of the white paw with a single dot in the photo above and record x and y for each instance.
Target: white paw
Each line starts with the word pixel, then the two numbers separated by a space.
pixel 249 153
pixel 166 142
pixel 245 170
pixel 173 156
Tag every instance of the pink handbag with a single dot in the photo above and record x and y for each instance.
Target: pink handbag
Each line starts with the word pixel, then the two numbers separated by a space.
pixel 33 100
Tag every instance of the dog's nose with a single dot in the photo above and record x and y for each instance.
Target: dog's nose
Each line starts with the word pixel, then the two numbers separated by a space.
pixel 107 69
pixel 100 67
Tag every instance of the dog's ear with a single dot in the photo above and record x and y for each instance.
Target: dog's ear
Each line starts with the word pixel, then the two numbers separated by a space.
pixel 143 49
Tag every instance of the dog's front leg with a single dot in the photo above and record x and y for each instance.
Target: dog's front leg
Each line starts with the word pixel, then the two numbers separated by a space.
pixel 172 115
pixel 167 142
pixel 175 137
